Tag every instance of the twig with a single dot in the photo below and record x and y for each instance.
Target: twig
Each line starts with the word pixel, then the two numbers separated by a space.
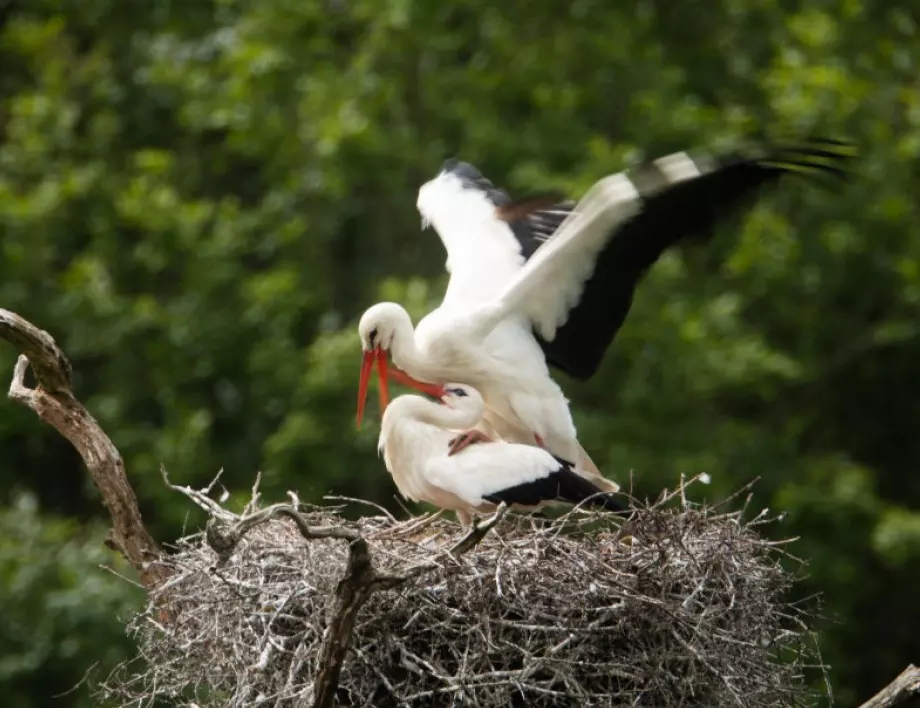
pixel 383 510
pixel 734 495
pixel 54 403
pixel 907 684
pixel 200 497
pixel 307 531
pixel 255 495
pixel 478 532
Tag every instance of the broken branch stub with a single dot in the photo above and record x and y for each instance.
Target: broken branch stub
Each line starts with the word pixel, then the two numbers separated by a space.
pixel 906 685
pixel 54 403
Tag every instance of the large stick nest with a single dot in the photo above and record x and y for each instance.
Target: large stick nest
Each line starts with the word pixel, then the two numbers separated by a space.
pixel 680 605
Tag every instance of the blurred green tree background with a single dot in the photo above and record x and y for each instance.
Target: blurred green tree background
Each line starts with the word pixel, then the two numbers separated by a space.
pixel 199 198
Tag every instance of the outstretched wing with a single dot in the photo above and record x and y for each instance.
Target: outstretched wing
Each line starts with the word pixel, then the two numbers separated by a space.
pixel 578 287
pixel 487 235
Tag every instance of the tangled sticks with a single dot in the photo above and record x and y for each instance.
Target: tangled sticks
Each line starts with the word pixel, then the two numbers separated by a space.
pixel 681 606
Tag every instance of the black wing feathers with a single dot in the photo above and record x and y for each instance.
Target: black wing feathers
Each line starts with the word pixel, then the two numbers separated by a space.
pixel 562 485
pixel 672 212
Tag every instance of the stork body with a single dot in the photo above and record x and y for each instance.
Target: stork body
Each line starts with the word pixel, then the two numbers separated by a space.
pixel 506 366
pixel 414 436
pixel 535 284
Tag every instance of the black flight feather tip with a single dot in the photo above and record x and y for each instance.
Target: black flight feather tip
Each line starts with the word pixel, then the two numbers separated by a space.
pixel 472 178
pixel 672 212
pixel 563 484
pixel 506 208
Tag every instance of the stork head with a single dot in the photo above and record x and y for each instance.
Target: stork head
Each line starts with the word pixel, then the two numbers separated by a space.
pixel 377 329
pixel 382 327
pixel 379 324
pixel 462 397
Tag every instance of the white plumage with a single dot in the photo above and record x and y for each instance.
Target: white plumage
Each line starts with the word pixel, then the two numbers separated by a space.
pixel 414 438
pixel 488 266
pixel 534 284
pixel 482 333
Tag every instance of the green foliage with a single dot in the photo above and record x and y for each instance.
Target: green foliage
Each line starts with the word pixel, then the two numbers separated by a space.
pixel 198 200
pixel 60 610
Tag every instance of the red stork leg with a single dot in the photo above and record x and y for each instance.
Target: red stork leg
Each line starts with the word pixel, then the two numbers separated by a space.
pixel 539 440
pixel 464 440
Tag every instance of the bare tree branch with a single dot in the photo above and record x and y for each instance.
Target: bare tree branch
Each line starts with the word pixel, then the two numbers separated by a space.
pixel 54 403
pixel 907 684
pixel 353 590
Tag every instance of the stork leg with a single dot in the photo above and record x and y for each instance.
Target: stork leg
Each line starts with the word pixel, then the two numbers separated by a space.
pixel 464 440
pixel 539 439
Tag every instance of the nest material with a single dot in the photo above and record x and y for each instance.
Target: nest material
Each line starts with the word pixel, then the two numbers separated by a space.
pixel 675 607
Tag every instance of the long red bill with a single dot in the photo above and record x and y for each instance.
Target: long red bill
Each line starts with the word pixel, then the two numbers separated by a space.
pixel 433 390
pixel 366 364
pixel 383 385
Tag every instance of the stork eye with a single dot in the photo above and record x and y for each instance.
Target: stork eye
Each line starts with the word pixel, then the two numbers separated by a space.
pixel 372 336
pixel 459 392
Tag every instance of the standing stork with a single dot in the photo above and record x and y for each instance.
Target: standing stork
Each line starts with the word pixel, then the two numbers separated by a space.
pixel 414 436
pixel 535 285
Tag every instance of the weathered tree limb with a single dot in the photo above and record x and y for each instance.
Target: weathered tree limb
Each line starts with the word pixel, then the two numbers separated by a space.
pixel 54 403
pixel 907 684
pixel 353 590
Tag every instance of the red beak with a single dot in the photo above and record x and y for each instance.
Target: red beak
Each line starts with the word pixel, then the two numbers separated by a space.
pixel 383 383
pixel 433 390
pixel 384 373
pixel 367 364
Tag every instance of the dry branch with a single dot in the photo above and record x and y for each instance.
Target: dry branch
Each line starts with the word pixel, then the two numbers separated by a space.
pixel 907 684
pixel 54 403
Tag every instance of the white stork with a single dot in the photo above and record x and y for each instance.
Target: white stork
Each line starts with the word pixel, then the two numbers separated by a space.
pixel 534 285
pixel 414 437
